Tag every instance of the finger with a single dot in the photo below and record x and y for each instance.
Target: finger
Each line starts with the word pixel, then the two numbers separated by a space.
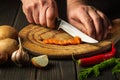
pixel 106 23
pixel 28 14
pixel 50 17
pixel 42 17
pixel 87 22
pixel 78 25
pixel 35 11
pixel 98 23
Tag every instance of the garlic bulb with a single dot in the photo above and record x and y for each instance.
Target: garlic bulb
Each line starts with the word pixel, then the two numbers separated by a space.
pixel 20 57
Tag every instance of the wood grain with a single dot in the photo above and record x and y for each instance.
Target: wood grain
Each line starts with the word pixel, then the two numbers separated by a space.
pixel 33 35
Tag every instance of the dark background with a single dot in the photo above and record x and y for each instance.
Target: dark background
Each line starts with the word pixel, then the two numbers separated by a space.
pixel 109 7
pixel 11 14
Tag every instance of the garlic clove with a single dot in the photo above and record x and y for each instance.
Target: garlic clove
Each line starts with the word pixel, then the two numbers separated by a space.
pixel 14 58
pixel 24 57
pixel 40 61
pixel 20 57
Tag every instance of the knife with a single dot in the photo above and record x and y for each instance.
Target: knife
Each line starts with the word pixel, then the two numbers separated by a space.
pixel 74 31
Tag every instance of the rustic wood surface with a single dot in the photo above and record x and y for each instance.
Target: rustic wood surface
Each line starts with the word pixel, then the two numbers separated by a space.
pixel 11 14
pixel 33 36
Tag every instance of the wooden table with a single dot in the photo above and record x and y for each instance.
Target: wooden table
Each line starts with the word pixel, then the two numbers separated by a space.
pixel 11 14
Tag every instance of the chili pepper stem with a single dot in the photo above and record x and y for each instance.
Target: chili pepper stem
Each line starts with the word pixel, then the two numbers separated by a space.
pixel 78 61
pixel 73 58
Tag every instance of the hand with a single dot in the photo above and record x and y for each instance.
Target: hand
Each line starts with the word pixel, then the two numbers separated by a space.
pixel 88 19
pixel 41 12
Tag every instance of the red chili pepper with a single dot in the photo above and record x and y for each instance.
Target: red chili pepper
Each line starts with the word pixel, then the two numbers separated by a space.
pixel 97 58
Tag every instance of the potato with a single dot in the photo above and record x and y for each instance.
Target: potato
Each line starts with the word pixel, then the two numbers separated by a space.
pixel 7 47
pixel 3 57
pixel 7 31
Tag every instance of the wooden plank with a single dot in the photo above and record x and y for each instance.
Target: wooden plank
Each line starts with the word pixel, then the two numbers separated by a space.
pixel 8 71
pixel 118 55
pixel 20 20
pixel 12 72
pixel 58 70
pixel 106 74
pixel 62 9
pixel 118 49
pixel 8 10
pixel 33 36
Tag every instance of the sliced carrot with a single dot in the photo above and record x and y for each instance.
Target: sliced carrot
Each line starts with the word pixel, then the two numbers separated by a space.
pixel 75 40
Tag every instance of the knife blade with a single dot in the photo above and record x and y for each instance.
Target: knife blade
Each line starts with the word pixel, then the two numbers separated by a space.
pixel 71 30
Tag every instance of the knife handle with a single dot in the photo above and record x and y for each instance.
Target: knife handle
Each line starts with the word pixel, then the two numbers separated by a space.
pixel 57 22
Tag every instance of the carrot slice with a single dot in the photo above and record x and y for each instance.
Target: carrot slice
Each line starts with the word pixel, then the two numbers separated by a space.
pixel 73 41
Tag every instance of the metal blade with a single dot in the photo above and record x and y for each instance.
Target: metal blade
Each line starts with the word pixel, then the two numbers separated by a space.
pixel 75 32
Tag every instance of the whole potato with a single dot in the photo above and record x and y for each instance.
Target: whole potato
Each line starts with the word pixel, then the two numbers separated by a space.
pixel 3 57
pixel 7 47
pixel 7 31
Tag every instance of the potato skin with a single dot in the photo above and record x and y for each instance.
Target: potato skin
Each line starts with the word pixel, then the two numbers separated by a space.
pixel 7 47
pixel 7 31
pixel 3 57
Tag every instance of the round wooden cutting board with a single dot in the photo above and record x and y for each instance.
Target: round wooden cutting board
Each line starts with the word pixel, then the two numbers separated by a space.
pixel 33 36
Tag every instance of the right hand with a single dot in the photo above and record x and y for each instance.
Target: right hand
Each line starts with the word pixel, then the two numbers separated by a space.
pixel 88 19
pixel 43 12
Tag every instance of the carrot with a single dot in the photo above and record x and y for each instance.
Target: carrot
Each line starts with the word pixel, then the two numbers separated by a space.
pixel 54 41
pixel 65 42
pixel 75 40
pixel 97 58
